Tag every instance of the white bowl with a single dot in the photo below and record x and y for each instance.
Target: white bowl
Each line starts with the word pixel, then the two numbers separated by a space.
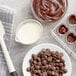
pixel 17 38
pixel 52 47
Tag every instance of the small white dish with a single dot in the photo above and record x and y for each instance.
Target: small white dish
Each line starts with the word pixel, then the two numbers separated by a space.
pixel 52 47
pixel 28 32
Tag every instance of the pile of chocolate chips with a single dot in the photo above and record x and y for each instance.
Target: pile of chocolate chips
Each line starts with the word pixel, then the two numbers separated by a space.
pixel 47 63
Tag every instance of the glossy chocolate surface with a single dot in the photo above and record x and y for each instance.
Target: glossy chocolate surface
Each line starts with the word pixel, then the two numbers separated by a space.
pixel 63 29
pixel 49 10
pixel 72 19
pixel 71 38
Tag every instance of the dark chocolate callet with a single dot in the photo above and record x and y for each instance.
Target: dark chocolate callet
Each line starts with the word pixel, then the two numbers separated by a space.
pixel 47 63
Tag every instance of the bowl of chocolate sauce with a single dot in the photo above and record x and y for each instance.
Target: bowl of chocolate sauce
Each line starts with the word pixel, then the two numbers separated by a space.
pixel 49 10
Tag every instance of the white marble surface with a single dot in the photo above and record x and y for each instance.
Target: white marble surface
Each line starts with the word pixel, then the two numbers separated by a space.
pixel 18 51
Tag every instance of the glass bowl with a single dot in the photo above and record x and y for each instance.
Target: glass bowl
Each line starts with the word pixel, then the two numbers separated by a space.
pixel 44 13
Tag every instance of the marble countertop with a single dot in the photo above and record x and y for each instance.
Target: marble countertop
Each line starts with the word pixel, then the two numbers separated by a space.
pixel 18 51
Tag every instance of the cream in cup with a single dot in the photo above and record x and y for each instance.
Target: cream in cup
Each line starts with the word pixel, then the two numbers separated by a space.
pixel 29 32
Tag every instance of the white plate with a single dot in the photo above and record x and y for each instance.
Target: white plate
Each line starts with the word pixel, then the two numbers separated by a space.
pixel 52 47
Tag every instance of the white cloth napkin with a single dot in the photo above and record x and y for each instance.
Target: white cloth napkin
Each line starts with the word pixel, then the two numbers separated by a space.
pixel 6 16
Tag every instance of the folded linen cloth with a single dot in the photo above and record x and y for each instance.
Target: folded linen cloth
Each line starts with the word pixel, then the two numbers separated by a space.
pixel 6 16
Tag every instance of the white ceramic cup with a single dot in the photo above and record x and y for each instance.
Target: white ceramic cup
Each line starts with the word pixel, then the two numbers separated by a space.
pixel 17 39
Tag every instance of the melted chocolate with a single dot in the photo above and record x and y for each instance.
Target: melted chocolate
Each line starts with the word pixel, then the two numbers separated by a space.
pixel 49 10
pixel 71 38
pixel 63 29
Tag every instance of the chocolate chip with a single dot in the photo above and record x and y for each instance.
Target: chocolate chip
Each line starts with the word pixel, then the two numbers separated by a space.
pixel 39 63
pixel 42 67
pixel 34 56
pixel 57 61
pixel 49 66
pixel 31 60
pixel 46 66
pixel 34 62
pixel 35 71
pixel 38 59
pixel 56 74
pixel 33 75
pixel 49 59
pixel 49 73
pixel 44 62
pixel 53 68
pixel 61 54
pixel 65 70
pixel 28 69
pixel 61 64
pixel 37 67
pixel 44 74
pixel 48 50
pixel 53 73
